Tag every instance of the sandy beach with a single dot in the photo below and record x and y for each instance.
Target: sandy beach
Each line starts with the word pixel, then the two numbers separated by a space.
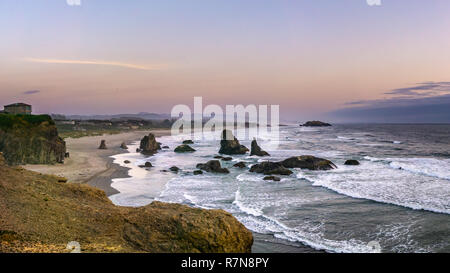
pixel 89 165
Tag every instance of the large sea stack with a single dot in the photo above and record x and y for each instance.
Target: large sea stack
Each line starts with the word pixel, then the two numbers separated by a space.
pixel 30 139
pixel 149 145
pixel 229 144
pixel 256 150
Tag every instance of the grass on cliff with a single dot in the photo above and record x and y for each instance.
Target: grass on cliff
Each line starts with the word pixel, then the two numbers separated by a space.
pixel 8 121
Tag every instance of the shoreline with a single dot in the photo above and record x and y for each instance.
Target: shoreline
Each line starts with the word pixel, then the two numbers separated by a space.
pixel 89 165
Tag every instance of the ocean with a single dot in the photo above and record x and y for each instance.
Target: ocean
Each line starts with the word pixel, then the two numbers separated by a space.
pixel 398 199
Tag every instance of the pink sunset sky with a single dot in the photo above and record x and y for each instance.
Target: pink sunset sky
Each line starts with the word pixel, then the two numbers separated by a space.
pixel 310 57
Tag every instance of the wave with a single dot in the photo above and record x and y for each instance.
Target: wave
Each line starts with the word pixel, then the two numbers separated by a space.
pixel 260 223
pixel 372 181
pixel 424 166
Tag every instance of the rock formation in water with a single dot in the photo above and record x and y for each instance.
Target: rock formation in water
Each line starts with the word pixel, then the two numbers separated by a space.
pixel 273 178
pixel 174 169
pixel 30 139
pixel 184 149
pixel 123 146
pixel 213 166
pixel 198 172
pixel 351 162
pixel 40 214
pixel 240 165
pixel 149 145
pixel 316 123
pixel 308 162
pixel 229 144
pixel 270 168
pixel 256 150
pixel 103 145
pixel 188 142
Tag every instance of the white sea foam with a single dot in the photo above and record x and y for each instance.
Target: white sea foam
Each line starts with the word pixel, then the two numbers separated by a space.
pixel 439 168
pixel 375 182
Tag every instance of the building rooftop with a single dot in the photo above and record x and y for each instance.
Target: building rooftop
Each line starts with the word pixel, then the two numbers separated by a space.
pixel 17 104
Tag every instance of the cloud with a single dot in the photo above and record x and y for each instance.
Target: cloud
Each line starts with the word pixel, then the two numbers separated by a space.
pixel 31 92
pixel 427 102
pixel 95 62
pixel 422 89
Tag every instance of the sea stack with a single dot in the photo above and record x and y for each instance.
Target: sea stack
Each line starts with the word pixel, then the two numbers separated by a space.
pixel 102 145
pixel 229 144
pixel 256 150
pixel 149 145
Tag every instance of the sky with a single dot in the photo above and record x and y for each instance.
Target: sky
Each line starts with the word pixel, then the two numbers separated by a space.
pixel 318 59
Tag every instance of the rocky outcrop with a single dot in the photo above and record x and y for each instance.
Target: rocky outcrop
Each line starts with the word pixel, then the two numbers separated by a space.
pixel 351 162
pixel 270 168
pixel 184 149
pixel 213 166
pixel 227 159
pixel 272 178
pixel 102 145
pixel 229 144
pixel 174 169
pixel 30 139
pixel 316 123
pixel 149 145
pixel 123 146
pixel 198 172
pixel 39 214
pixel 256 150
pixel 308 162
pixel 240 165
pixel 188 142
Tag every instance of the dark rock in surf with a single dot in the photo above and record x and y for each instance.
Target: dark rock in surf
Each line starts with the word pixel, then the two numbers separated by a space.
pixel 273 178
pixel 213 166
pixel 198 172
pixel 352 162
pixel 229 144
pixel 188 142
pixel 270 168
pixel 227 158
pixel 240 165
pixel 256 150
pixel 123 146
pixel 184 149
pixel 174 169
pixel 308 162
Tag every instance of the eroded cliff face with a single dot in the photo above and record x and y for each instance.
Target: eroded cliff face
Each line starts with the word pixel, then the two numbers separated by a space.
pixel 30 140
pixel 40 214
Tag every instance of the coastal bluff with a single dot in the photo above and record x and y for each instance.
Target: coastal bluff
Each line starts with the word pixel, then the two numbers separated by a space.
pixel 41 213
pixel 30 139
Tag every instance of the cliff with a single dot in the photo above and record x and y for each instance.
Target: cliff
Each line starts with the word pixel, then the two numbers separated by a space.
pixel 39 213
pixel 30 139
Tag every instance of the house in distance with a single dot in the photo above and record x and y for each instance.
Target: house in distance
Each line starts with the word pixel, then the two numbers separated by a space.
pixel 17 109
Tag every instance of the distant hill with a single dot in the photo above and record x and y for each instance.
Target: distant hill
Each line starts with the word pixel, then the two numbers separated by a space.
pixel 142 115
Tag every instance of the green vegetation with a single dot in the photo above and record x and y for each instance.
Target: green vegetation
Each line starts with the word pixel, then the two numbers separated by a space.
pixel 30 139
pixel 7 121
